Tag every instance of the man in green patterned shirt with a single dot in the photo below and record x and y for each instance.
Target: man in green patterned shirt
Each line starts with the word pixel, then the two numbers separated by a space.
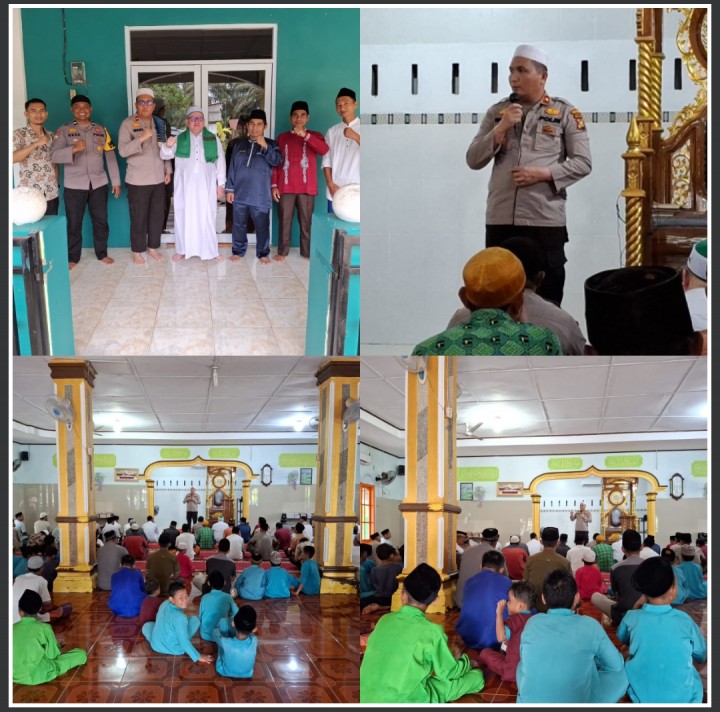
pixel 494 280
pixel 205 537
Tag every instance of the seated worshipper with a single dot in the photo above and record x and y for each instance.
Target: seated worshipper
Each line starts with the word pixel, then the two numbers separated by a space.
pixel 223 563
pixel 472 561
pixel 534 545
pixel 592 668
pixel 173 532
pixel 250 582
pixel 519 606
pixel 216 608
pixel 278 582
pixel 50 562
pixel 197 526
pixel 219 528
pixel 536 310
pixel 262 541
pixel 538 566
pixel 694 277
pixel 576 554
pixel 237 644
pixel 205 536
pixel 588 577
pixel 186 567
pixel 480 598
pixel 36 655
pixel 189 538
pixel 423 667
pixel 309 573
pixel 562 548
pixel 136 543
pixel 172 630
pixel 383 578
pixel 617 547
pixel 127 590
pixel 33 581
pixel 108 559
pixel 604 557
pixel 626 595
pixel 367 590
pixel 245 532
pixel 282 536
pixel 236 545
pixel 681 584
pixel 151 602
pixel 163 565
pixel 42 524
pixel 696 584
pixel 199 182
pixel 152 530
pixel 494 281
pixel 515 558
pixel 639 311
pixel 663 642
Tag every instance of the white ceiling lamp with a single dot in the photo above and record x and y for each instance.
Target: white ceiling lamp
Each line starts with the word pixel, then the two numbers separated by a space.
pixel 299 424
pixel 117 425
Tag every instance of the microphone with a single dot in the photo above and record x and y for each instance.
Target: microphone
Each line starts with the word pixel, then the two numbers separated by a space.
pixel 513 97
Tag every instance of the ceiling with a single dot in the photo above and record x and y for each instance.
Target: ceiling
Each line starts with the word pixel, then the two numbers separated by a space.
pixel 538 405
pixel 168 399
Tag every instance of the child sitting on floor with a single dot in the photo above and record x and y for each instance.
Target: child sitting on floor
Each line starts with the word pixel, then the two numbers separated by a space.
pixel 663 642
pixel 588 577
pixel 151 602
pixel 277 582
pixel 216 607
pixel 682 588
pixel 367 590
pixel 521 600
pixel 696 584
pixel 249 584
pixel 237 646
pixel 309 573
pixel 422 667
pixel 384 578
pixel 127 589
pixel 36 656
pixel 186 567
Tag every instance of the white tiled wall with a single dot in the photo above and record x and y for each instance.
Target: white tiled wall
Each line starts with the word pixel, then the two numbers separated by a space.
pixel 423 209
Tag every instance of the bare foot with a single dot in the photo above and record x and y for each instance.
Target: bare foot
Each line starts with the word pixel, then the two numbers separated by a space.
pixel 370 608
pixel 220 258
pixel 265 260
pixel 107 260
pixel 154 253
pixel 279 258
pixel 236 258
pixel 177 257
pixel 138 259
pixel 72 265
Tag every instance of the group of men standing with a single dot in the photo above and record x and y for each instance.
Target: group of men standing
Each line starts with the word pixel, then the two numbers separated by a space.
pixel 259 171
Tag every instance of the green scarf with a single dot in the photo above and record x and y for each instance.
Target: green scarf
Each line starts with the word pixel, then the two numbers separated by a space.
pixel 209 145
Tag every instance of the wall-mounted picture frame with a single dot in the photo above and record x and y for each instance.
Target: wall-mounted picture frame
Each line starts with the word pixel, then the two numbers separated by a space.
pixel 126 474
pixel 306 475
pixel 466 491
pixel 509 489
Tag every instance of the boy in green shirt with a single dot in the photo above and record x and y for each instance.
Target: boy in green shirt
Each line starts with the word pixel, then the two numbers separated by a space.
pixel 423 669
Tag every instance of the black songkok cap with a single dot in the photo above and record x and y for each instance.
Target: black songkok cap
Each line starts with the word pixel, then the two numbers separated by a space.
pixel 346 92
pixel 653 577
pixel 423 584
pixel 300 106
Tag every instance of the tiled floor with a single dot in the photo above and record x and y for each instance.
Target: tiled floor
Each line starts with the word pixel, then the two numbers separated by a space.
pixel 498 692
pixel 189 307
pixel 308 653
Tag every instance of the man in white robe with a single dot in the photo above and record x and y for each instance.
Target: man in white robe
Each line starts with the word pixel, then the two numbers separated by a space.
pixel 199 184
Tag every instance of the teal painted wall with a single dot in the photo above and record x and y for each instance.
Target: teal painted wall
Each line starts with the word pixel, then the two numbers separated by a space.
pixel 318 51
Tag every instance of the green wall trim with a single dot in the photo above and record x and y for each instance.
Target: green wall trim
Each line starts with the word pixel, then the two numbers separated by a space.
pixel 478 474
pixel 224 453
pixel 104 460
pixel 565 463
pixel 298 459
pixel 619 462
pixel 175 453
pixel 699 468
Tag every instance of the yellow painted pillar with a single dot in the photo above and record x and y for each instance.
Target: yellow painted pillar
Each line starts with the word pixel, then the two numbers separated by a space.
pixel 246 499
pixel 430 506
pixel 74 380
pixel 150 487
pixel 651 498
pixel 338 381
pixel 535 513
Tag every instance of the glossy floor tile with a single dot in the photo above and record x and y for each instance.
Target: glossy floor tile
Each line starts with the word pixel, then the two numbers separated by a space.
pixel 308 653
pixel 496 691
pixel 189 307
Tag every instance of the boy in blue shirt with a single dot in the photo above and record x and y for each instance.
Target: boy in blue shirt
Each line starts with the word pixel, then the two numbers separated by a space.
pixel 238 647
pixel 127 589
pixel 248 187
pixel 216 607
pixel 367 590
pixel 693 574
pixel 663 642
pixel 277 582
pixel 309 573
pixel 249 584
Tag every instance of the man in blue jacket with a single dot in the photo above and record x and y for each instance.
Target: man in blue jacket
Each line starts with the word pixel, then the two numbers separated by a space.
pixel 248 187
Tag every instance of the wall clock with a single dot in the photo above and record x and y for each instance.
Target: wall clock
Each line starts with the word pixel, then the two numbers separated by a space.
pixel 616 497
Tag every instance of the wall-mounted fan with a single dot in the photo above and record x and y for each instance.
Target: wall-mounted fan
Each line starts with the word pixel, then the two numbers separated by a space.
pixel 351 414
pixel 293 476
pixel 314 423
pixel 414 364
pixel 16 464
pixel 386 478
pixel 61 409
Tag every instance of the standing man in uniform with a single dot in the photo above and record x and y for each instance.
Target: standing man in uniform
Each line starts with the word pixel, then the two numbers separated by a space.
pixel 582 517
pixel 146 177
pixel 294 183
pixel 81 146
pixel 31 153
pixel 191 501
pixel 341 164
pixel 539 147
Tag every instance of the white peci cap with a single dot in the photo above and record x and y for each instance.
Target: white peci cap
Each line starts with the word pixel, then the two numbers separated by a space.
pixel 532 52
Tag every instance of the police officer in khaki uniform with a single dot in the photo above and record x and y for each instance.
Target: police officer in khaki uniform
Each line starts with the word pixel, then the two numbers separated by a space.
pixel 139 139
pixel 539 147
pixel 82 146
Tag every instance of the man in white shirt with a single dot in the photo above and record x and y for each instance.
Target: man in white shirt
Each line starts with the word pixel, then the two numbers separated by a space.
pixel 534 546
pixel 341 164
pixel 386 536
pixel 219 528
pixel 189 538
pixel 20 524
pixel 575 555
pixel 236 544
pixel 695 285
pixel 307 528
pixel 152 530
pixel 41 525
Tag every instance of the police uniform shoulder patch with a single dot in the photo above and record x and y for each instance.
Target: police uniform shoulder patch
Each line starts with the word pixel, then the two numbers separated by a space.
pixel 579 119
pixel 546 99
pixel 552 112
